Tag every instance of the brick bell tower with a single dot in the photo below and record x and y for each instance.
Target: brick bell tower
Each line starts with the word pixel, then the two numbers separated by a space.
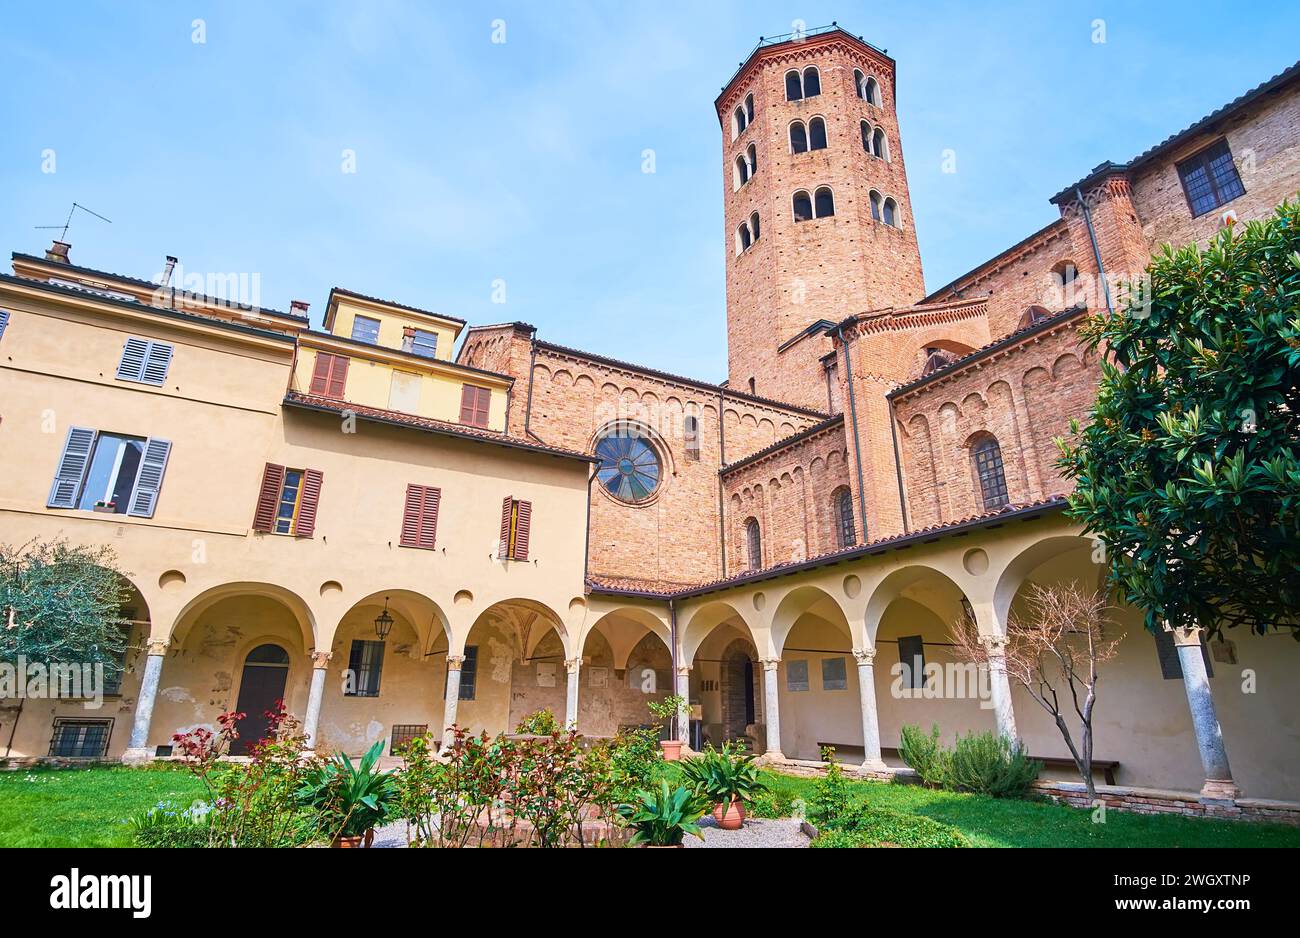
pixel 818 214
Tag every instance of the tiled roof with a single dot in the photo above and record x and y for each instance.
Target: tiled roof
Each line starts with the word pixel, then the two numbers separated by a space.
pixel 427 424
pixel 612 585
pixel 679 379
pixel 1283 77
pixel 410 309
pixel 1004 342
pixel 151 285
pixel 783 443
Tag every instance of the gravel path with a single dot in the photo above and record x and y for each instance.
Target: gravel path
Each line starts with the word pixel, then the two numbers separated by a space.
pixel 757 832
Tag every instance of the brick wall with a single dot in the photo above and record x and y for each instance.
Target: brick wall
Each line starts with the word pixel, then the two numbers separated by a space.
pixel 1023 396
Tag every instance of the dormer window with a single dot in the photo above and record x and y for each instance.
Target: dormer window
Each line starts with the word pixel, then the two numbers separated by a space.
pixel 365 329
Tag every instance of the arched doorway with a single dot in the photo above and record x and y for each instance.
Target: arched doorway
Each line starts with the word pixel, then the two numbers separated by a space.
pixel 261 687
pixel 739 710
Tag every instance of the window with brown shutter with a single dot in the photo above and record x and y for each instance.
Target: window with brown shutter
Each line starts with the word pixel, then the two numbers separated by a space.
pixel 516 524
pixel 474 402
pixel 287 501
pixel 420 516
pixel 329 377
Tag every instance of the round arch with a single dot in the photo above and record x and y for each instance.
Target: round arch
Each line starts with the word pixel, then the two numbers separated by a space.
pixel 424 615
pixel 914 580
pixel 1017 570
pixel 295 604
pixel 808 600
pixel 704 620
pixel 530 619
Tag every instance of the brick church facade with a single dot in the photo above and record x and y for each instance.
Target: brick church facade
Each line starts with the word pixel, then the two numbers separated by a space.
pixel 879 461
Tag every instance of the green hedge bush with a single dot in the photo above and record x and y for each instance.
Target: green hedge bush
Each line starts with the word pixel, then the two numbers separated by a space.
pixel 865 826
pixel 985 763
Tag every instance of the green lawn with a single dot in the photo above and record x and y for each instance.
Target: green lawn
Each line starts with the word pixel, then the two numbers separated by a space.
pixel 997 822
pixel 88 807
pixel 84 807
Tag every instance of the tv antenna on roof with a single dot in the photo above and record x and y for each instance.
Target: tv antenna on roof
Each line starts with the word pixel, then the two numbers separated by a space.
pixel 63 236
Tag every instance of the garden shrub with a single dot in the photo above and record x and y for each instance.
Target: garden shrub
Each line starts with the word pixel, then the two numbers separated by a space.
pixel 831 794
pixel 987 763
pixel 923 753
pixel 539 723
pixel 772 803
pixel 865 826
pixel 167 824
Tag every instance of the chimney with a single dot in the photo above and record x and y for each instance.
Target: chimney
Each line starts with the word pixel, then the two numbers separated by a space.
pixel 166 280
pixel 299 307
pixel 58 252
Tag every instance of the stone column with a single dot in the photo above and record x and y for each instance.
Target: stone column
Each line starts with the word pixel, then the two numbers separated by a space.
pixel 1219 785
pixel 1000 687
pixel 454 663
pixel 866 658
pixel 683 690
pixel 771 710
pixel 320 662
pixel 137 750
pixel 573 666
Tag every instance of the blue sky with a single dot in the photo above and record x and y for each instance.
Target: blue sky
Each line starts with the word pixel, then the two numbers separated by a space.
pixel 522 161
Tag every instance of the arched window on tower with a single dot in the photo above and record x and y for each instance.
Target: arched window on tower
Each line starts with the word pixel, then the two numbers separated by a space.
pixel 738 123
pixel 812 82
pixel 753 544
pixel 987 457
pixel 846 534
pixel 691 432
pixel 793 87
pixel 858 79
pixel 879 146
pixel 751 155
pixel 875 205
pixel 803 208
pixel 890 213
pixel 817 134
pixel 798 138
pixel 743 239
pixel 753 226
pixel 824 202
pixel 749 109
pixel 871 91
pixel 742 171
pixel 866 135
pixel 1064 285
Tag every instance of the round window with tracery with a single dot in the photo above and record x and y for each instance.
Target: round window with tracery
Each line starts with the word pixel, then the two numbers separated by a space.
pixel 629 466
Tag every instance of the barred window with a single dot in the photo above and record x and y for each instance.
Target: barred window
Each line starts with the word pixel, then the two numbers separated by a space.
pixel 988 468
pixel 366 663
pixel 1210 179
pixel 843 502
pixel 81 739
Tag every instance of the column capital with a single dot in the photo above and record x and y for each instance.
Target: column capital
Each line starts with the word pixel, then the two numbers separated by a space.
pixel 1185 636
pixel 320 660
pixel 572 664
pixel 865 656
pixel 996 645
pixel 683 670
pixel 454 662
pixel 157 646
pixel 769 664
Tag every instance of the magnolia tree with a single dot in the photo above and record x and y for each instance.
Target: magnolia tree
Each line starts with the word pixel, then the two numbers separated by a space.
pixel 1188 469
pixel 1054 651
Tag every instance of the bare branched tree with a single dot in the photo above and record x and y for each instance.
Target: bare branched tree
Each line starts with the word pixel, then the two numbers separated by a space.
pixel 1054 650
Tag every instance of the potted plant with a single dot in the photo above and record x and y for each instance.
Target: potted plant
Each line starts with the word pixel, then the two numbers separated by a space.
pixel 669 711
pixel 663 817
pixel 728 778
pixel 350 801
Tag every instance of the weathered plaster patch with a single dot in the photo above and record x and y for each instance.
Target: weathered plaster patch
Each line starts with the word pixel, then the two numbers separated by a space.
pixel 176 694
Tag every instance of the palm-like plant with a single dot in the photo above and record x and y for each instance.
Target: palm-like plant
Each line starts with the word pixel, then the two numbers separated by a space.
pixel 348 799
pixel 724 775
pixel 663 817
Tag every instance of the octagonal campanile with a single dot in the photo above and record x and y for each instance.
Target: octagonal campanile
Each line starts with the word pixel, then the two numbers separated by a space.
pixel 809 129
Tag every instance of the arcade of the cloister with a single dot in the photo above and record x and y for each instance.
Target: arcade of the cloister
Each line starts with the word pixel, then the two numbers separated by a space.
pixel 788 660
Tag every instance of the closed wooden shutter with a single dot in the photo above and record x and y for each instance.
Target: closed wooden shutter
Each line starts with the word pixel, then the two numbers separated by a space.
pixel 156 362
pixel 71 470
pixel 474 403
pixel 506 506
pixel 522 523
pixel 420 517
pixel 131 365
pixel 268 497
pixel 144 497
pixel 307 504
pixel 4 322
pixel 329 377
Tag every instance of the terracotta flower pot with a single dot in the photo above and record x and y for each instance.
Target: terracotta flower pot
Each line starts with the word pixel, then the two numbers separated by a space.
pixel 672 749
pixel 730 817
pixel 355 843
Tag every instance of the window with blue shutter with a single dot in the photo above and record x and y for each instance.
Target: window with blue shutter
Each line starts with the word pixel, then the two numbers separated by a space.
pixel 72 467
pixel 144 361
pixel 109 472
pixel 4 321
